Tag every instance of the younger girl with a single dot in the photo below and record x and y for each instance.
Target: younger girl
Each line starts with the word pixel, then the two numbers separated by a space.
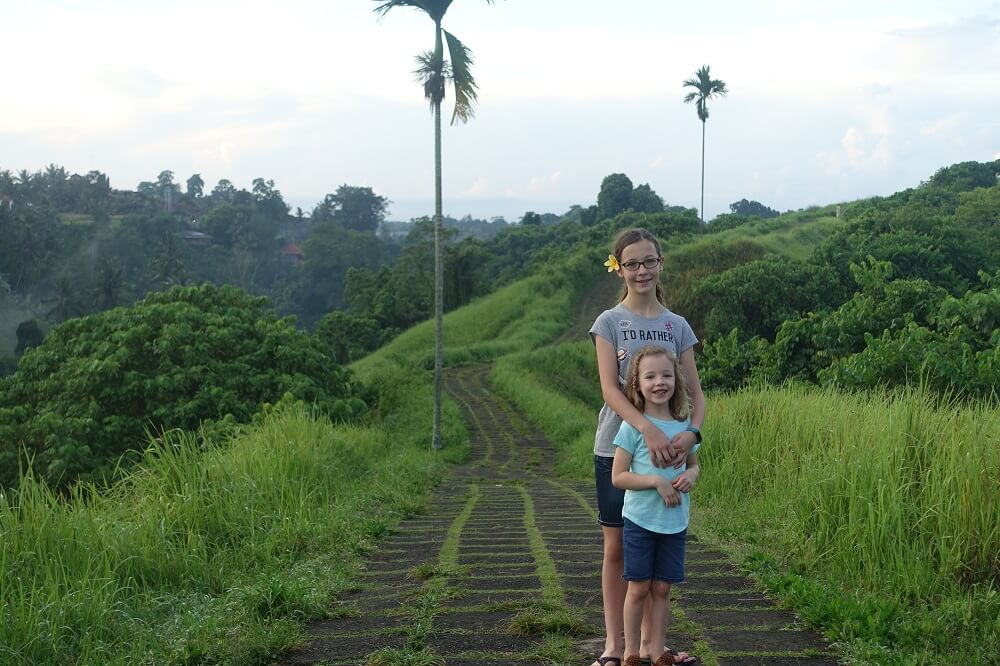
pixel 656 503
pixel 641 319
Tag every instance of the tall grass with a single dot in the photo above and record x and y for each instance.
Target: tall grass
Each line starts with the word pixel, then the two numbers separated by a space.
pixel 214 555
pixel 524 315
pixel 876 515
pixel 895 492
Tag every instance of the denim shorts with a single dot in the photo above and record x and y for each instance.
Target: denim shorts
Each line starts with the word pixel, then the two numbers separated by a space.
pixel 610 500
pixel 651 555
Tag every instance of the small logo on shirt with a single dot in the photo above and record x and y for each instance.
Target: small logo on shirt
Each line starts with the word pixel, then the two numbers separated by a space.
pixel 669 326
pixel 622 354
pixel 625 323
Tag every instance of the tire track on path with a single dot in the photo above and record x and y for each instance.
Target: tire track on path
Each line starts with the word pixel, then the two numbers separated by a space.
pixel 507 550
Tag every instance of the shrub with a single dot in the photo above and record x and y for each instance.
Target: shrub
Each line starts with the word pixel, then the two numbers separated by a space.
pixel 177 359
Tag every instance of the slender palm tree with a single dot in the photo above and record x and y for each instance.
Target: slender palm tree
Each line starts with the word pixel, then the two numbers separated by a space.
pixel 434 72
pixel 705 88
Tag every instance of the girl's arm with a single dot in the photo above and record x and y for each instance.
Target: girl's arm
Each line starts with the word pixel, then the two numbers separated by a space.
pixel 683 441
pixel 660 448
pixel 623 478
pixel 685 480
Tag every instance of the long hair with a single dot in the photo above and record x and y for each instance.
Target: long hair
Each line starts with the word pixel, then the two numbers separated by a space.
pixel 680 401
pixel 628 237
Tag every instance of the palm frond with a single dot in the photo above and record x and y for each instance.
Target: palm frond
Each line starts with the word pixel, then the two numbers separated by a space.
pixel 385 6
pixel 435 9
pixel 461 76
pixel 432 71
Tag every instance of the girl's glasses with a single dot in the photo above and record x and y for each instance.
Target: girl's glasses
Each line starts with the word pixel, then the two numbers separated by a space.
pixel 648 264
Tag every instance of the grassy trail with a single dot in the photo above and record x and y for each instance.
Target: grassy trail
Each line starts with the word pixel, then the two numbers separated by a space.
pixel 504 567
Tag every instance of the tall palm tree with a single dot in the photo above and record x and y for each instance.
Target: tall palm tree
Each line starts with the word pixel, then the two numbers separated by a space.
pixel 434 72
pixel 705 88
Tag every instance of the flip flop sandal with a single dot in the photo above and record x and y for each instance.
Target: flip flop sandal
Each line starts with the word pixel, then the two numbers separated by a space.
pixel 669 658
pixel 604 661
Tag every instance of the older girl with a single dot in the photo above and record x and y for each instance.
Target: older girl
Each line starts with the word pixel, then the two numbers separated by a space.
pixel 641 319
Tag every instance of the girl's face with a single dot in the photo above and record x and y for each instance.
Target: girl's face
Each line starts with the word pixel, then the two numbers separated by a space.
pixel 639 278
pixel 656 379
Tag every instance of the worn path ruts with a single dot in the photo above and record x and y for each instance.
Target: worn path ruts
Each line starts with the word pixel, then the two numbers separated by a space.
pixel 512 534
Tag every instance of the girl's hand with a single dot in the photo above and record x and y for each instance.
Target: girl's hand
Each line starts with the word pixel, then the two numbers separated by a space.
pixel 685 480
pixel 670 496
pixel 682 443
pixel 661 450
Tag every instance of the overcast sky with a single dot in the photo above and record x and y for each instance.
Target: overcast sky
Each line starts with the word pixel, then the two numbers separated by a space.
pixel 829 101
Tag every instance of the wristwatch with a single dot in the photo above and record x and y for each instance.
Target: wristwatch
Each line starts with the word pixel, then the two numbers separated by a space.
pixel 697 433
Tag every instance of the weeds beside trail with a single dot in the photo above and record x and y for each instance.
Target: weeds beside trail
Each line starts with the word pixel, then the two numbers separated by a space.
pixel 504 567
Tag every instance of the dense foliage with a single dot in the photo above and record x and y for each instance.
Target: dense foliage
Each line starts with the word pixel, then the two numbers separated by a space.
pixel 906 291
pixel 177 359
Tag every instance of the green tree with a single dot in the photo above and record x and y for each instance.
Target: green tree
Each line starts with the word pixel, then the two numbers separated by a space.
pixel 434 72
pixel 168 266
pixel 705 89
pixel 268 199
pixel 29 335
pixel 645 200
pixel 195 186
pixel 531 219
pixel 615 196
pixel 109 285
pixel 64 302
pixel 752 209
pixel 357 208
pixel 224 190
pixel 177 359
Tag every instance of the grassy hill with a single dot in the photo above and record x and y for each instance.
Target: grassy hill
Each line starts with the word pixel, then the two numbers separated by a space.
pixel 876 515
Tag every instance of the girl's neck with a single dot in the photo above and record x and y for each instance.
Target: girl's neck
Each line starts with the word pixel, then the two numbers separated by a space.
pixel 661 412
pixel 644 304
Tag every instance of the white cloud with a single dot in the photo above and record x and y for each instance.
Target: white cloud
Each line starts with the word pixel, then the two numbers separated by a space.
pixel 478 187
pixel 948 126
pixel 657 162
pixel 544 183
pixel 853 144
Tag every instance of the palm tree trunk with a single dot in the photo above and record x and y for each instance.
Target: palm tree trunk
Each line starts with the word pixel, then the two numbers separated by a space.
pixel 703 172
pixel 438 267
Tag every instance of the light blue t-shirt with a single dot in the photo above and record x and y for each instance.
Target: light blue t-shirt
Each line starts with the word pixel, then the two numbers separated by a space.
pixel 646 508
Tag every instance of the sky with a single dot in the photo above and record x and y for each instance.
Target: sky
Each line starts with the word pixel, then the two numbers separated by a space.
pixel 828 101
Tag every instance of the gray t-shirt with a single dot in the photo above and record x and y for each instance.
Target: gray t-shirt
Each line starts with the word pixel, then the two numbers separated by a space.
pixel 629 333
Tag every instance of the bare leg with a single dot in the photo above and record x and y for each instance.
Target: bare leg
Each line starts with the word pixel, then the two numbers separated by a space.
pixel 648 632
pixel 659 612
pixel 635 603
pixel 613 590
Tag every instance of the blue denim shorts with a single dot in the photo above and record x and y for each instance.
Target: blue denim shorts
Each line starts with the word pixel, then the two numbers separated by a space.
pixel 610 500
pixel 651 555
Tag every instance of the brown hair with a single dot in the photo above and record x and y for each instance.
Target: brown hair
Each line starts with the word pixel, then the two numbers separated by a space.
pixel 680 401
pixel 628 237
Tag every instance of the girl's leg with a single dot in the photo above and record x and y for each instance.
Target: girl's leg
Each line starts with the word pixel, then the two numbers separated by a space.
pixel 635 601
pixel 648 632
pixel 659 596
pixel 613 590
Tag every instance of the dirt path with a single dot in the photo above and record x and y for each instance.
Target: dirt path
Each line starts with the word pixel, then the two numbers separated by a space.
pixel 506 542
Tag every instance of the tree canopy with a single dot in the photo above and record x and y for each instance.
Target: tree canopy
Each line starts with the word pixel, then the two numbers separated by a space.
pixel 177 359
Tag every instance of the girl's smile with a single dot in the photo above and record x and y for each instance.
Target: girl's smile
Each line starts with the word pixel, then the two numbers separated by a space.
pixel 656 383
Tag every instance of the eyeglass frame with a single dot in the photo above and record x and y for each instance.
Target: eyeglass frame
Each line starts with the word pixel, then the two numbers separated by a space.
pixel 656 262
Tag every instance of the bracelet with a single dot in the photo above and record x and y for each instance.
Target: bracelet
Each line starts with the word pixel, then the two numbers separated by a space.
pixel 697 433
